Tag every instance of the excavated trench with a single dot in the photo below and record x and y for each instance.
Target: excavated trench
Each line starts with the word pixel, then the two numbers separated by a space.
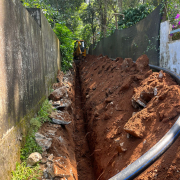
pixel 119 110
pixel 82 151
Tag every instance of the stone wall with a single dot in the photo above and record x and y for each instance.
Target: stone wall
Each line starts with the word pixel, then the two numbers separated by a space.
pixel 169 50
pixel 29 61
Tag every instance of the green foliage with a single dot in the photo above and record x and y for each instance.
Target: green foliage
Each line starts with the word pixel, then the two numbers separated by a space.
pixel 24 173
pixel 35 123
pixel 44 112
pixel 172 8
pixel 30 146
pixel 51 13
pixel 134 15
pixel 68 10
pixel 67 45
pixel 86 34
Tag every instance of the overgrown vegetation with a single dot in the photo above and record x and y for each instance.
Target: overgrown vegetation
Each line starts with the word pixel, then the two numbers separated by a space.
pixel 23 172
pixel 173 15
pixel 35 123
pixel 91 20
pixel 67 45
pixel 134 15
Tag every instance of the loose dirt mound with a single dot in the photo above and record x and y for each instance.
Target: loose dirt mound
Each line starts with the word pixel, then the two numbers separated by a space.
pixel 128 108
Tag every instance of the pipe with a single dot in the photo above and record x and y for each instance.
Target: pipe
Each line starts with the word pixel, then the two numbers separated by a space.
pixel 141 164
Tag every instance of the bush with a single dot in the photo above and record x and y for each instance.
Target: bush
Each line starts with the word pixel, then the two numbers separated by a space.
pixel 134 15
pixel 67 45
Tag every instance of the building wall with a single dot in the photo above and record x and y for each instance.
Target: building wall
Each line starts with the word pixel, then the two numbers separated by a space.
pixel 29 60
pixel 169 50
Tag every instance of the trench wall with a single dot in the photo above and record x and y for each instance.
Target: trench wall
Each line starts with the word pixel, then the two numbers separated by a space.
pixel 29 61
pixel 142 38
pixel 169 50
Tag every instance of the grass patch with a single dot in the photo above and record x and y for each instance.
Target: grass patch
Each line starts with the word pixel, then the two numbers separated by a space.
pixel 35 123
pixel 26 173
pixel 23 172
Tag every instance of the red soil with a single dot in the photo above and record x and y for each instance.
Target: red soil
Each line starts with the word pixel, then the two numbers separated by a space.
pixel 120 109
pixel 119 130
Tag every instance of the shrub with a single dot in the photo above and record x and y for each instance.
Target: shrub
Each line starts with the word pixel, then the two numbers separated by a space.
pixel 134 15
pixel 67 45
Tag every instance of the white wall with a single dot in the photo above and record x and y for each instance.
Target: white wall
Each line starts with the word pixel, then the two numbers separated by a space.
pixel 169 50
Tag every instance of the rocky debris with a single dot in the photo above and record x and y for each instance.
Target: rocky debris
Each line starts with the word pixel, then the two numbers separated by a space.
pixel 120 149
pixel 155 91
pixel 33 159
pixel 57 85
pixel 134 103
pixel 120 146
pixel 64 103
pixel 55 138
pixel 56 103
pixel 160 76
pixel 141 103
pixel 61 115
pixel 43 141
pixel 51 132
pixel 49 171
pixel 138 103
pixel 44 160
pixel 60 76
pixel 61 139
pixel 163 108
pixel 135 127
pixel 60 122
pixel 149 89
pixel 50 158
pixel 58 94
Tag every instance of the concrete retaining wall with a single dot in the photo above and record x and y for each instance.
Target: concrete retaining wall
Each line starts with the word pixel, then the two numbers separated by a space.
pixel 29 60
pixel 169 50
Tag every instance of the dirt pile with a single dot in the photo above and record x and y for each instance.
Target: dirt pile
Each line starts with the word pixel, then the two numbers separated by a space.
pixel 107 116
pixel 59 161
pixel 128 108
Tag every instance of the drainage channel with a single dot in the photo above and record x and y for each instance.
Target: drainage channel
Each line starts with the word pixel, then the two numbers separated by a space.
pixel 83 158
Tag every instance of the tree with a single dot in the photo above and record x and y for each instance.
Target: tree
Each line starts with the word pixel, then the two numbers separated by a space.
pixel 89 18
pixel 67 45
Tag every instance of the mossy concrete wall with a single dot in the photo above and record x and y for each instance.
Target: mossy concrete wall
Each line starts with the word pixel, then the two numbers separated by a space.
pixel 29 61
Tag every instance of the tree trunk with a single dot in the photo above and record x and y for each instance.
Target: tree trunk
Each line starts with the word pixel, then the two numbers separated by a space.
pixel 120 5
